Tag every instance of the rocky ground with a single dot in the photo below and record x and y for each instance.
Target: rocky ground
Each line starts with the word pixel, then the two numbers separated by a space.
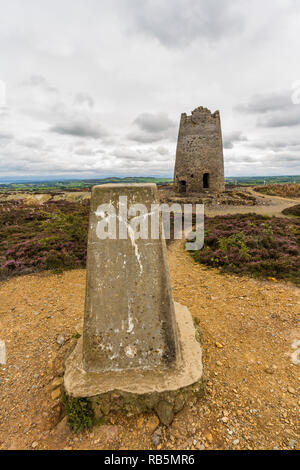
pixel 231 197
pixel 239 200
pixel 36 199
pixel 251 345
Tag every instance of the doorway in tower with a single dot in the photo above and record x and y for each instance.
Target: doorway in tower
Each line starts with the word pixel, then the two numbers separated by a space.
pixel 182 186
pixel 206 181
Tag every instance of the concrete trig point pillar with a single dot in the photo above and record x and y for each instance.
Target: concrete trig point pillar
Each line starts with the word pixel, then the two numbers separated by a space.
pixel 138 351
pixel 129 314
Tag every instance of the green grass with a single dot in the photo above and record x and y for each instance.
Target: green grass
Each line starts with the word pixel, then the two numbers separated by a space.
pixel 44 186
pixel 83 184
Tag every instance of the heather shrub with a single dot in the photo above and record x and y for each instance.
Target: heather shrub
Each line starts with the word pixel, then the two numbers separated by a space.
pixel 48 237
pixel 284 190
pixel 294 211
pixel 253 245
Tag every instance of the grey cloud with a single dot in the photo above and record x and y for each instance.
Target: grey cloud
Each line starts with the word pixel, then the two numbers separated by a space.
pixel 38 81
pixel 163 151
pixel 154 122
pixel 267 162
pixel 84 151
pixel 79 128
pixel 274 109
pixel 138 156
pixel 285 118
pixel 89 151
pixel 5 135
pixel 150 127
pixel 144 137
pixel 128 153
pixel 32 142
pixel 63 116
pixel 180 22
pixel 231 138
pixel 284 157
pixel 244 159
pixel 84 98
pixel 275 145
pixel 264 103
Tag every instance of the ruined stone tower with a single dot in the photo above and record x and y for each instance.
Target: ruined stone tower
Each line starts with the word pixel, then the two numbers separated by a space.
pixel 199 157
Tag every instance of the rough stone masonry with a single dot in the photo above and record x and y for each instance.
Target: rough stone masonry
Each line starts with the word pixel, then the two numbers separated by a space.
pixel 138 351
pixel 199 158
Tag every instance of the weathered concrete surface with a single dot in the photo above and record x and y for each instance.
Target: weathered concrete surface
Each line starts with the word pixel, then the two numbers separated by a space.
pixel 129 318
pixel 199 157
pixel 146 388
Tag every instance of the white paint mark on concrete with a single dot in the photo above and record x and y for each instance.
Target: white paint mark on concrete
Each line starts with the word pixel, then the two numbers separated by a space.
pixel 130 351
pixel 100 213
pixel 136 249
pixel 113 357
pixel 2 353
pixel 130 319
pixel 107 347
pixel 131 234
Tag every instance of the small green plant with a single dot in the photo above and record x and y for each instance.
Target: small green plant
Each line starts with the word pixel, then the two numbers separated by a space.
pixel 293 230
pixel 267 230
pixel 76 336
pixel 236 240
pixel 71 224
pixel 79 413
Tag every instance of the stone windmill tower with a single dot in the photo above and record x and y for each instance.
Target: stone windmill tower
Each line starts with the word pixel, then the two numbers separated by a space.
pixel 199 157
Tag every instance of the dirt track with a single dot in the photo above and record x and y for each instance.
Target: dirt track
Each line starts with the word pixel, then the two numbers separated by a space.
pixel 266 205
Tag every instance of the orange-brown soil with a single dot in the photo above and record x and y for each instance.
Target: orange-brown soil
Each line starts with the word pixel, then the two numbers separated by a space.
pixel 250 339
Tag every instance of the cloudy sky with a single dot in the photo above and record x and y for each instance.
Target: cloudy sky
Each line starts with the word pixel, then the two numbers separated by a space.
pixel 96 87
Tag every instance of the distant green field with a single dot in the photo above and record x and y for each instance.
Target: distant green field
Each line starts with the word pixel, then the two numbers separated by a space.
pixel 44 186
pixel 262 180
